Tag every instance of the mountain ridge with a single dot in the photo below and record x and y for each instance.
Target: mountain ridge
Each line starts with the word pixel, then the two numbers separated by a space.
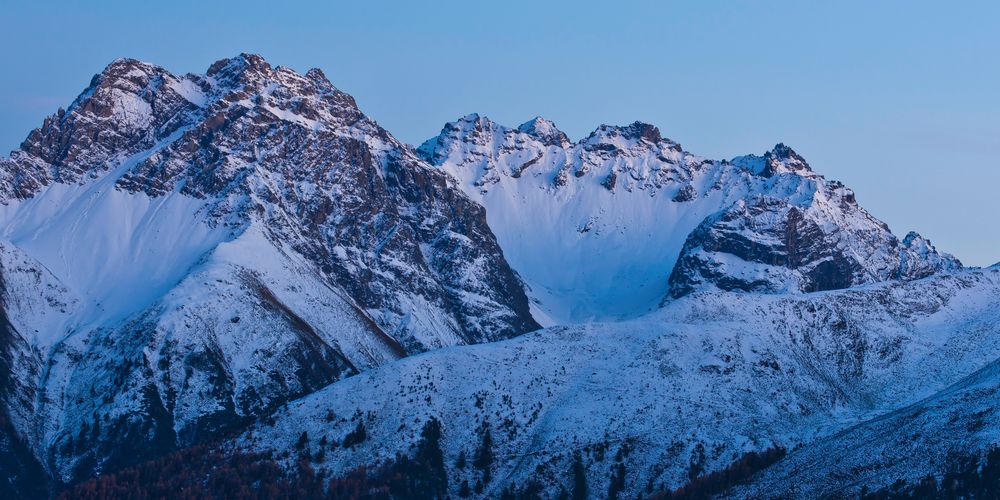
pixel 628 196
pixel 245 251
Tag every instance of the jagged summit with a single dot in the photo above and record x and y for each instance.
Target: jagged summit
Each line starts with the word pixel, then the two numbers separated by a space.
pixel 319 77
pixel 648 220
pixel 246 137
pixel 127 67
pixel 132 106
pixel 782 159
pixel 242 62
pixel 634 131
pixel 779 160
pixel 545 131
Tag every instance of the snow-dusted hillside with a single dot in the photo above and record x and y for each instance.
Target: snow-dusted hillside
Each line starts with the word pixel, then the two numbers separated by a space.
pixel 596 227
pixel 182 253
pixel 694 386
pixel 932 437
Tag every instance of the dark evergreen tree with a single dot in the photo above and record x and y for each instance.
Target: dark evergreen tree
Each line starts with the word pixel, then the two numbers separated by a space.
pixel 579 474
pixel 484 455
pixel 431 459
pixel 303 440
pixel 357 436
pixel 617 483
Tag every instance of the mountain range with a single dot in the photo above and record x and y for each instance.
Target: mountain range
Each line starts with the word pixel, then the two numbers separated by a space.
pixel 243 260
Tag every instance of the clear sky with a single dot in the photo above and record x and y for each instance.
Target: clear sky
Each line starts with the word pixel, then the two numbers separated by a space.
pixel 898 99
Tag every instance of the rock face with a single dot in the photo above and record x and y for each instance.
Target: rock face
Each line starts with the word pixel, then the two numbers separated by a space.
pixel 770 245
pixel 608 226
pixel 183 253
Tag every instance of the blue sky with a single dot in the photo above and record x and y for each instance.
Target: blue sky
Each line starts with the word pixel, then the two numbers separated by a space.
pixel 897 99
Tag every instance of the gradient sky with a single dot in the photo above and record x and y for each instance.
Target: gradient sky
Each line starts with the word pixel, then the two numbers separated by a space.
pixel 899 100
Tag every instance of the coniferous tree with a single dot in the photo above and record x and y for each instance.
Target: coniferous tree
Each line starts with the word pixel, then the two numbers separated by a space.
pixel 357 436
pixel 484 455
pixel 430 459
pixel 579 474
pixel 617 483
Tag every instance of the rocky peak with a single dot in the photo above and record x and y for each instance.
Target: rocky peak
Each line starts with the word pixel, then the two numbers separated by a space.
pixel 128 73
pixel 762 223
pixel 470 131
pixel 474 125
pixel 919 258
pixel 779 160
pixel 641 130
pixel 239 65
pixel 545 131
pixel 773 245
pixel 634 131
pixel 127 108
pixel 784 159
pixel 249 138
pixel 622 137
pixel 122 84
pixel 914 238
pixel 248 79
pixel 319 78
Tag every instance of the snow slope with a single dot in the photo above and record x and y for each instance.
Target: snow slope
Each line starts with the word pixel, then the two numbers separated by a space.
pixel 931 437
pixel 120 251
pixel 694 386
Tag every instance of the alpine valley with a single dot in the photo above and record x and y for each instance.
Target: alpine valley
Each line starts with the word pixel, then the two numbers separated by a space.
pixel 237 284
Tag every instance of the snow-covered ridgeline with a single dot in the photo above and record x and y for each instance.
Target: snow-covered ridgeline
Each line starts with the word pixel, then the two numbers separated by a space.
pixel 597 227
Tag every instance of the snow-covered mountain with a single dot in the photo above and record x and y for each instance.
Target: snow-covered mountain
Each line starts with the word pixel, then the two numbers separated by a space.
pixel 607 227
pixel 181 253
pixel 245 251
pixel 689 388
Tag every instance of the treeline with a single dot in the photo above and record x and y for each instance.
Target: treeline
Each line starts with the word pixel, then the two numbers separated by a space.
pixel 973 477
pixel 203 473
pixel 718 482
